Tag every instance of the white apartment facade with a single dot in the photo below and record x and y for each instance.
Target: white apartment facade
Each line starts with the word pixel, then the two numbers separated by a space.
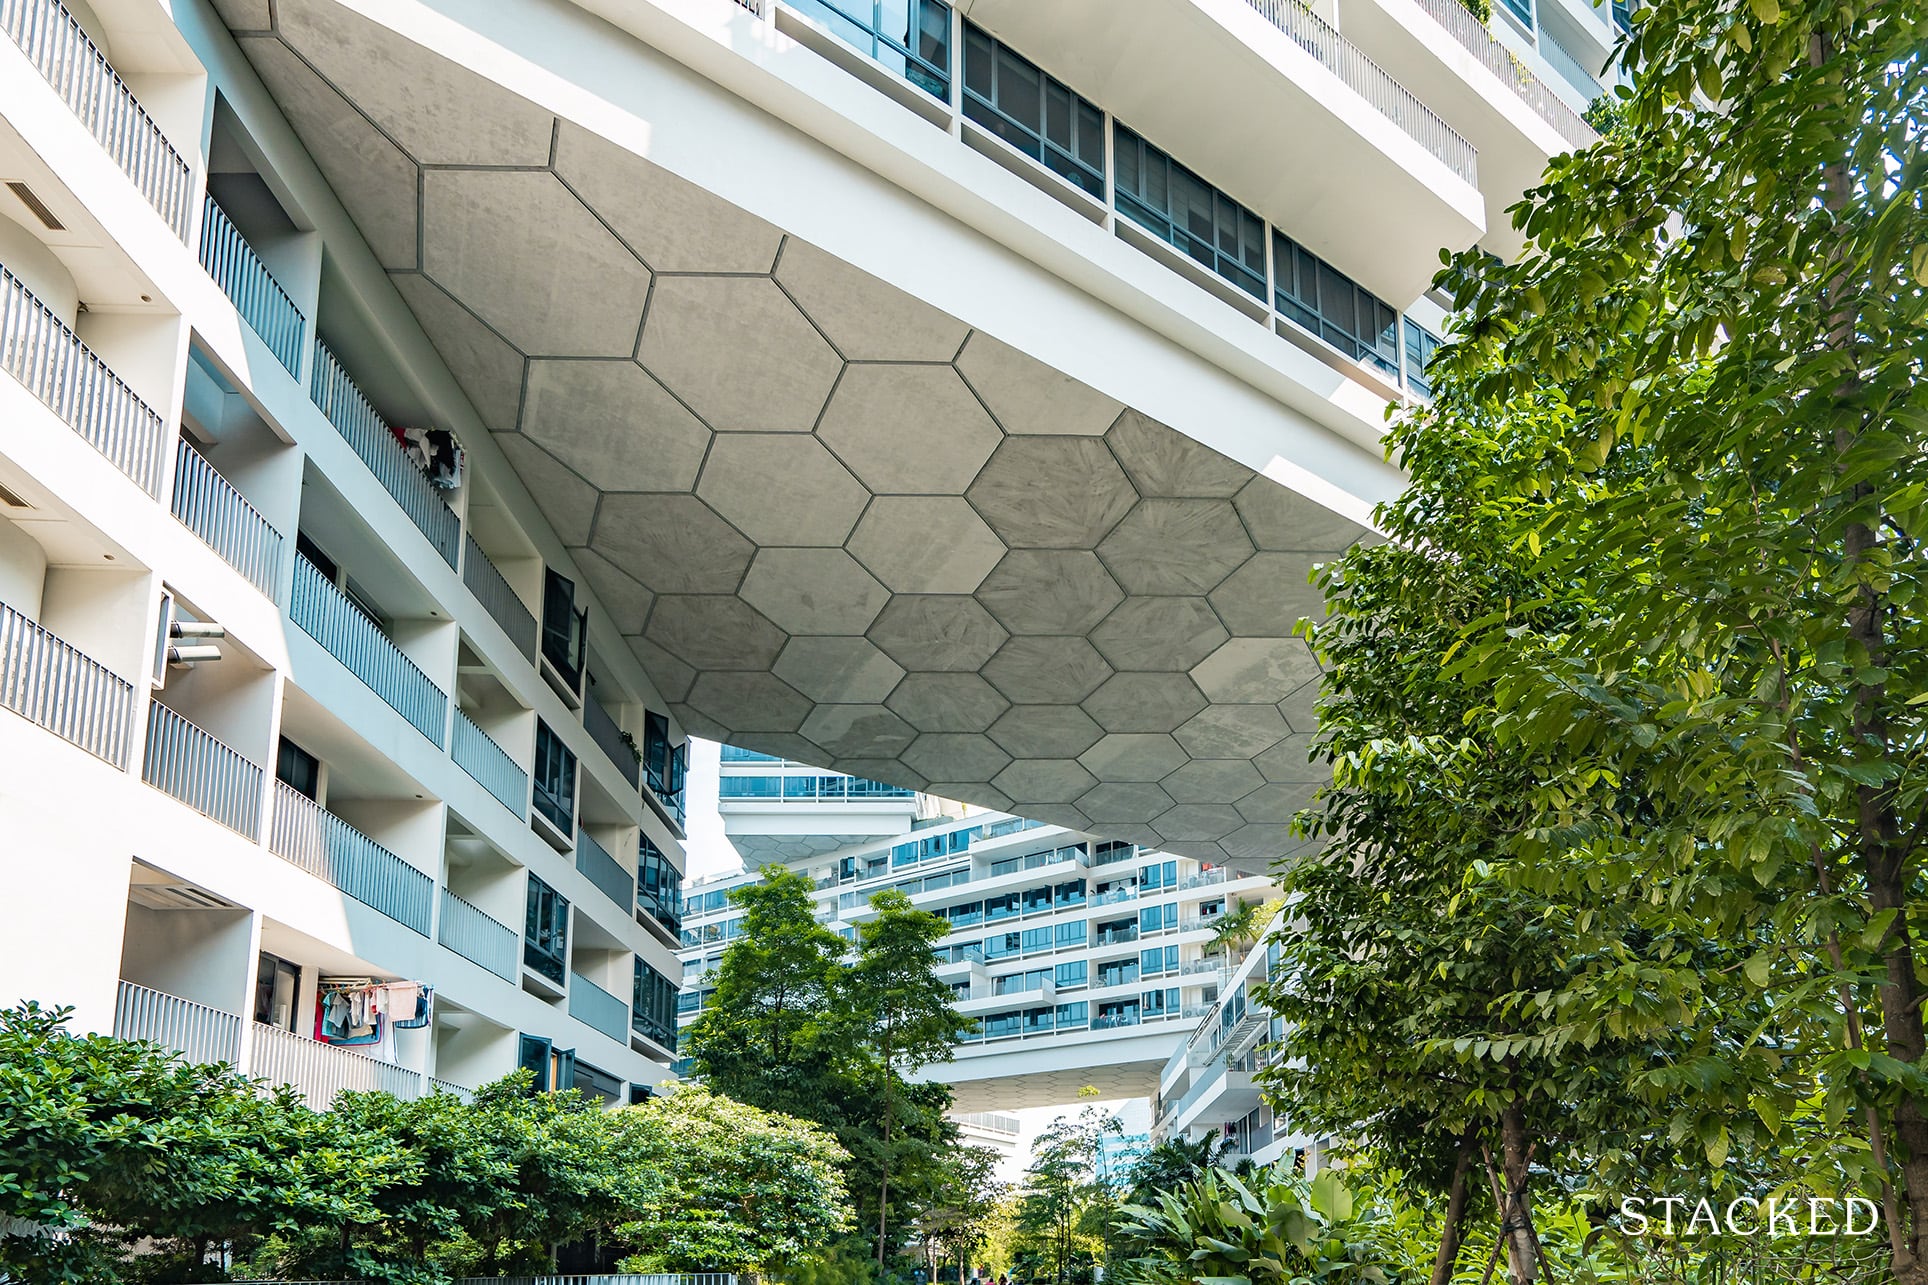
pixel 1080 960
pixel 295 730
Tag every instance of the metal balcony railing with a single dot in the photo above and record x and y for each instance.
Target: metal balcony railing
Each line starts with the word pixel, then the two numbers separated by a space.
pixel 195 1031
pixel 1499 60
pixel 461 1091
pixel 307 835
pixel 597 1008
pixel 1204 878
pixel 320 1071
pixel 50 361
pixel 336 395
pixel 609 738
pixel 605 871
pixel 476 753
pixel 57 47
pixel 327 615
pixel 51 683
pixel 1371 82
pixel 477 936
pixel 500 601
pixel 208 505
pixel 202 772
pixel 248 284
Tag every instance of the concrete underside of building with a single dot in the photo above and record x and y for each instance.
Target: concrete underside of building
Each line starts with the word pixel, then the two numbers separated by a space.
pixel 1057 1073
pixel 860 484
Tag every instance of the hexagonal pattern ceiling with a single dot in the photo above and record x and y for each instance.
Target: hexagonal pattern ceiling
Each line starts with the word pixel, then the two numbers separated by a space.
pixel 834 523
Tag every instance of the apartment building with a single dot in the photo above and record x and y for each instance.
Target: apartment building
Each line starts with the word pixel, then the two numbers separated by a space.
pixel 1080 960
pixel 952 396
pixel 323 754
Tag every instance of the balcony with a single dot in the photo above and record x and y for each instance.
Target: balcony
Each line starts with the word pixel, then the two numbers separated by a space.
pixel 496 597
pixel 248 284
pixel 321 1071
pixel 307 835
pixel 51 362
pixel 335 394
pixel 609 738
pixel 325 614
pixel 208 505
pixel 57 47
pixel 195 1031
pixel 476 753
pixel 595 1007
pixel 1481 43
pixel 604 871
pixel 478 937
pixel 202 772
pixel 56 686
pixel 1204 878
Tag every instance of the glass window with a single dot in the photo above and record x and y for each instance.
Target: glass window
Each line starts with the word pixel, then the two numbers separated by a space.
pixel 1038 1019
pixel 998 1024
pixel 1075 1014
pixel 1014 99
pixel 297 769
pixel 1070 894
pixel 1036 899
pixel 555 780
pixel 1071 934
pixel 565 630
pixel 749 787
pixel 1325 301
pixel 545 936
pixel 1000 907
pixel 911 37
pixel 1071 974
pixel 1000 945
pixel 1421 344
pixel 1037 939
pixel 1178 206
pixel 1152 962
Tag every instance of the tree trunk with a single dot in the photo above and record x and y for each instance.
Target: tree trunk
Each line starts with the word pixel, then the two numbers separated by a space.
pixel 1517 1209
pixel 883 1187
pixel 1878 842
pixel 1449 1236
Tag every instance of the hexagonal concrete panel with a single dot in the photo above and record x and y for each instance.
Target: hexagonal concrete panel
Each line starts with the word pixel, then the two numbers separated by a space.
pixel 1052 492
pixel 738 352
pixel 925 544
pixel 1044 671
pixel 1176 546
pixel 611 420
pixel 947 702
pixel 859 731
pixel 1044 732
pixel 938 632
pixel 780 488
pixel 876 414
pixel 865 319
pixel 672 224
pixel 523 254
pixel 1028 396
pixel 970 568
pixel 1049 591
pixel 1248 670
pixel 1171 466
pixel 813 591
pixel 1159 633
pixel 838 669
pixel 671 543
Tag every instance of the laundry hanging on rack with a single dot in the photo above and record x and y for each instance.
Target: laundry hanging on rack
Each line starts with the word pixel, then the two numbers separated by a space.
pixel 360 1011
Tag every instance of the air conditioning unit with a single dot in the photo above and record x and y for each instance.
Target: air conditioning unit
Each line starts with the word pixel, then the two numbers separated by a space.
pixel 181 642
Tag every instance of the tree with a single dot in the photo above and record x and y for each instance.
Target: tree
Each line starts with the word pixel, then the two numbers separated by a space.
pixel 1677 456
pixel 898 1015
pixel 717 1184
pixel 1240 928
pixel 964 1213
pixel 1062 1184
pixel 761 1037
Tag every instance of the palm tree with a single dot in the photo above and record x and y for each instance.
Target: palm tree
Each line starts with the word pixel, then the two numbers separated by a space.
pixel 1238 930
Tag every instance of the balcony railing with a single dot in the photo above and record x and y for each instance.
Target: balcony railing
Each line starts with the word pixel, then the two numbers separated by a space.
pixel 1390 98
pixel 476 753
pixel 1473 34
pixel 320 1071
pixel 51 683
pixel 327 615
pixel 195 1031
pixel 609 738
pixel 248 284
pixel 307 835
pixel 57 47
pixel 369 436
pixel 202 772
pixel 38 349
pixel 1205 878
pixel 596 1007
pixel 208 505
pixel 500 601
pixel 478 936
pixel 604 871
